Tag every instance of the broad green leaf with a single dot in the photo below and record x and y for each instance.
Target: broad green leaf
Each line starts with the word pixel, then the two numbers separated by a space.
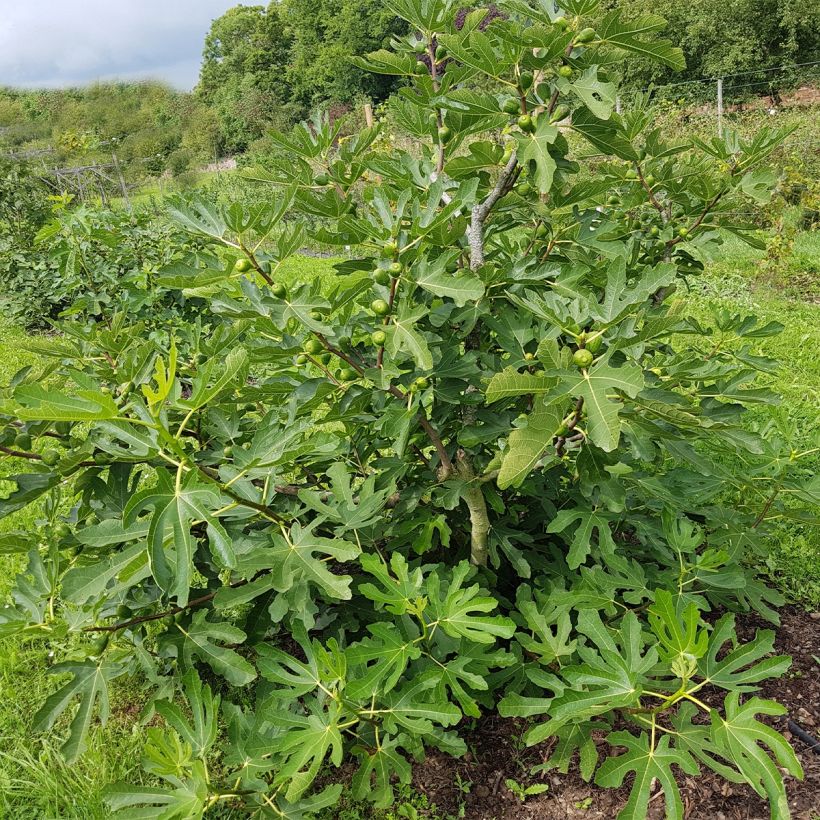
pixel 386 62
pixel 527 445
pixel 743 739
pixel 84 583
pixel 399 591
pixel 350 510
pixel 382 660
pixel 460 611
pixel 164 378
pixel 648 763
pixel 176 507
pixel 576 737
pixel 534 154
pixel 619 300
pixel 696 738
pixel 510 383
pixel 215 377
pixel 416 708
pixel 745 663
pixel 30 487
pixel 468 673
pixel 759 185
pixel 601 404
pixel 295 677
pixel 14 542
pixel 111 531
pixel 549 636
pixel 588 522
pixel 605 135
pixel 38 403
pixel 402 337
pixel 292 560
pixel 629 36
pixel 598 96
pixel 681 636
pixel 610 677
pixel 302 746
pixel 185 801
pixel 89 683
pixel 209 642
pixel 200 730
pixel 378 767
pixel 462 288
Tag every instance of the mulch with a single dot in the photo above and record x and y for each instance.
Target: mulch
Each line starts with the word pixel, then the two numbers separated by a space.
pixel 473 787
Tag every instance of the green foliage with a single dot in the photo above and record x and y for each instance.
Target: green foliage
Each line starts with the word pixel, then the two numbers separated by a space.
pixel 324 34
pixel 726 38
pixel 143 123
pixel 513 498
pixel 96 262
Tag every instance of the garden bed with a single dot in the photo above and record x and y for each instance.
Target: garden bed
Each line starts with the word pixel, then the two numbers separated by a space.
pixel 498 754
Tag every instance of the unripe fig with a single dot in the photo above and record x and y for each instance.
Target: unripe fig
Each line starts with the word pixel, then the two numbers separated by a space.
pixel 560 113
pixel 583 358
pixel 511 106
pixel 526 124
pixel 23 442
pixel 51 457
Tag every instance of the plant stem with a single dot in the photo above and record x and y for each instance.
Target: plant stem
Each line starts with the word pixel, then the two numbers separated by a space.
pixel 479 517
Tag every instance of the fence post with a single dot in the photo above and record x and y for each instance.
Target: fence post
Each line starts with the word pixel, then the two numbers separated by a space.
pixel 121 179
pixel 720 106
pixel 368 115
pixel 617 105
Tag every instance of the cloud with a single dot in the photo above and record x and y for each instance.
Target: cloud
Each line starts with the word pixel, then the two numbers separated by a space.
pixel 52 43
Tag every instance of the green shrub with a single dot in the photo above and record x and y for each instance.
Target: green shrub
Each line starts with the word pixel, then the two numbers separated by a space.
pixel 92 262
pixel 473 473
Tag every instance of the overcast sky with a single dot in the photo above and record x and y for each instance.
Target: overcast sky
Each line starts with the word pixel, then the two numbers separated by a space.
pixel 48 43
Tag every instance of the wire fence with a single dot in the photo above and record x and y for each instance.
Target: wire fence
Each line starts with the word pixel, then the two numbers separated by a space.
pixel 730 92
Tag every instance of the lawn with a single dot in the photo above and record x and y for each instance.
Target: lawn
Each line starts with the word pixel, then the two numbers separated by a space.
pixel 35 783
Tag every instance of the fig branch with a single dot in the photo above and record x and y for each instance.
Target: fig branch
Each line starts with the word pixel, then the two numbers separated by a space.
pixel 158 616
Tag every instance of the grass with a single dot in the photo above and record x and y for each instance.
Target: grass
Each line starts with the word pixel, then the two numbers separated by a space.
pixel 794 558
pixel 36 783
